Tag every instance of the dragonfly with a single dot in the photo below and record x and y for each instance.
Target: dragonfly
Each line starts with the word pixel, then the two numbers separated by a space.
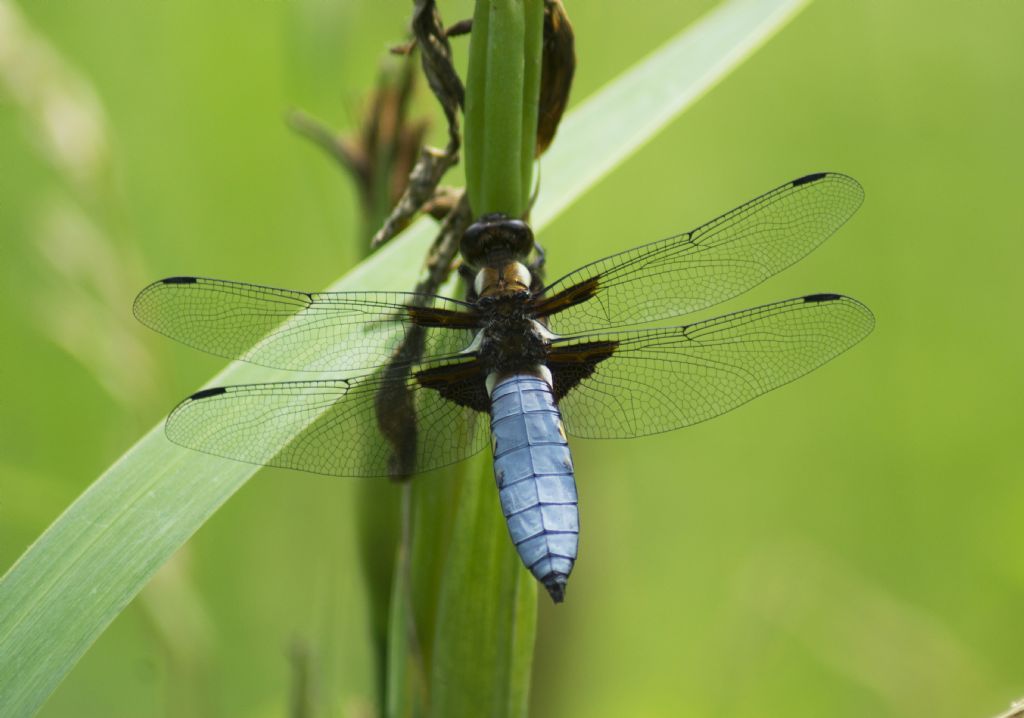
pixel 519 364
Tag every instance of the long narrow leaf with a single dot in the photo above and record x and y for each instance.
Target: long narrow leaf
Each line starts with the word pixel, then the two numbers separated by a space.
pixel 68 587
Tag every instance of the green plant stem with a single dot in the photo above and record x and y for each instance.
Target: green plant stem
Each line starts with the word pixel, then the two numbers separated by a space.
pixel 534 47
pixel 486 612
pixel 502 91
pixel 467 623
pixel 476 78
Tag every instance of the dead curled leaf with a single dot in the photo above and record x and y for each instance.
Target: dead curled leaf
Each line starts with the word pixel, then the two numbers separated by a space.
pixel 436 60
pixel 558 65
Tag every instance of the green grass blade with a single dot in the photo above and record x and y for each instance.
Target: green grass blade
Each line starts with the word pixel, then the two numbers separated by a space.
pixel 75 579
pixel 87 566
pixel 622 116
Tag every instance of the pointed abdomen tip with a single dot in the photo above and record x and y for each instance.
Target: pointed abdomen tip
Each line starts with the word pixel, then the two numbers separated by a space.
pixel 555 584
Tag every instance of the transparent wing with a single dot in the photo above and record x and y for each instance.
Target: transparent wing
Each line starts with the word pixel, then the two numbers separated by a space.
pixel 662 379
pixel 301 331
pixel 708 265
pixel 327 427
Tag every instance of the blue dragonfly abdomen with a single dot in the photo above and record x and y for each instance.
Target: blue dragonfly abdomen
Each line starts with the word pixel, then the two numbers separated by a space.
pixel 536 485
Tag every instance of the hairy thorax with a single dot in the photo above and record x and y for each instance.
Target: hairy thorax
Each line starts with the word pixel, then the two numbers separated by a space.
pixel 511 341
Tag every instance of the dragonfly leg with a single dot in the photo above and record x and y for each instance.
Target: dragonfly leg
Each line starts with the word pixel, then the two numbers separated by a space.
pixel 536 267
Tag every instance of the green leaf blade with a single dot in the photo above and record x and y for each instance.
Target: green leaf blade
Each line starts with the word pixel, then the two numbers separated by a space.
pixel 92 561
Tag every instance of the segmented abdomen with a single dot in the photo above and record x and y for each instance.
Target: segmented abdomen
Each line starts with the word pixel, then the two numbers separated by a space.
pixel 533 470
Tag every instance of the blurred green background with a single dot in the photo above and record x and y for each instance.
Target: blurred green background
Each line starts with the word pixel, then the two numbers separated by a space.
pixel 850 545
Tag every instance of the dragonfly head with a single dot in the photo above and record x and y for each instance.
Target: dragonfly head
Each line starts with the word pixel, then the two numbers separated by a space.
pixel 494 240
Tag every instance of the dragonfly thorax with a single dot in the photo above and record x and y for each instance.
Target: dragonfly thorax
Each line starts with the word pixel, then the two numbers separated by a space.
pixel 510 340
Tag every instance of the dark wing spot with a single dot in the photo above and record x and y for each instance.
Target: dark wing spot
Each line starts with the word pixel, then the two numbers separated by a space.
pixel 179 280
pixel 206 393
pixel 462 383
pixel 811 298
pixel 569 365
pixel 807 179
pixel 437 317
pixel 568 297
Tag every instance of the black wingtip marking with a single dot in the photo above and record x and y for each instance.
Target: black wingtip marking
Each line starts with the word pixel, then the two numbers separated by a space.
pixel 807 179
pixel 206 393
pixel 814 298
pixel 179 280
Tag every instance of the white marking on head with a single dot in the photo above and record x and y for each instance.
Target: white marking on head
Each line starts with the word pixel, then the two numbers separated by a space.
pixel 510 277
pixel 520 273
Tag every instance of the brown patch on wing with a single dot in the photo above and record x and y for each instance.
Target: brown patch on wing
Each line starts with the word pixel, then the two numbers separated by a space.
pixel 571 296
pixel 462 383
pixel 436 317
pixel 572 364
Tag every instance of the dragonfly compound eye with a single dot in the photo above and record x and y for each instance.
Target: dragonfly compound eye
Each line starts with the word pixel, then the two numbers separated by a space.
pixel 496 239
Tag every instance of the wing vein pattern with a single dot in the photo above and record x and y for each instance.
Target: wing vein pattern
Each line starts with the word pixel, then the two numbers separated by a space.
pixel 667 378
pixel 325 426
pixel 713 263
pixel 288 329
